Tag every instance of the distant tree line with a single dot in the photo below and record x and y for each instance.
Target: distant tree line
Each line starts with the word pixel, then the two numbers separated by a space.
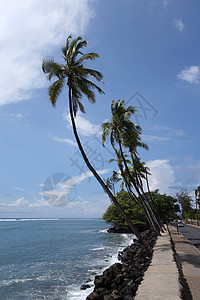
pixel 166 206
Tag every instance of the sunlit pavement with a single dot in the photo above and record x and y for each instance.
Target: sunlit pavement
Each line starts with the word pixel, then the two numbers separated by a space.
pixel 192 233
pixel 189 257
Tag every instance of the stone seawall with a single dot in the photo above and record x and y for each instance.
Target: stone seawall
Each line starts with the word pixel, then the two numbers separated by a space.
pixel 121 280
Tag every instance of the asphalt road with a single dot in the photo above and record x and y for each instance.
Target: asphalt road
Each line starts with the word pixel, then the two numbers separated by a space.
pixel 192 234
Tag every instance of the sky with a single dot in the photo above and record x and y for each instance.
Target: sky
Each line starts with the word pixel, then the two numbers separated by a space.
pixel 150 57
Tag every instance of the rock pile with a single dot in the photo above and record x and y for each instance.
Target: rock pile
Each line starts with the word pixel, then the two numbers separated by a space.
pixel 121 280
pixel 121 228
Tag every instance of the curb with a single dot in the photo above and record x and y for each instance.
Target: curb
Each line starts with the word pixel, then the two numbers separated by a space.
pixel 185 291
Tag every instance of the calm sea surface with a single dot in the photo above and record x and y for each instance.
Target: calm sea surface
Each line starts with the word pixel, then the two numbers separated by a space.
pixel 51 259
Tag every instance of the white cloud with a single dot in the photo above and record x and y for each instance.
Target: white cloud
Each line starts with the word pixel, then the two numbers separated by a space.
pixel 85 127
pixel 64 193
pixel 38 203
pixel 78 179
pixel 63 140
pixel 29 31
pixel 19 202
pixel 169 131
pixel 17 116
pixel 166 134
pixel 153 138
pixel 166 3
pixel 162 175
pixel 190 74
pixel 189 172
pixel 19 189
pixel 179 25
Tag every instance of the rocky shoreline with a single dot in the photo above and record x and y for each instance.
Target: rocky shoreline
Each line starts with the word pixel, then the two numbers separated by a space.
pixel 121 280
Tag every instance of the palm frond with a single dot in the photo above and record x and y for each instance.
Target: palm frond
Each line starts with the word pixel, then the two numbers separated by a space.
pixel 92 85
pixel 113 139
pixel 111 160
pixel 55 90
pixel 80 105
pixel 85 89
pixel 85 72
pixel 64 52
pixel 88 56
pixel 143 145
pixel 68 42
pixel 76 95
pixel 51 68
pixel 106 131
pixel 80 45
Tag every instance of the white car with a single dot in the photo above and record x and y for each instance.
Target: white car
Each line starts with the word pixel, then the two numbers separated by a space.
pixel 180 223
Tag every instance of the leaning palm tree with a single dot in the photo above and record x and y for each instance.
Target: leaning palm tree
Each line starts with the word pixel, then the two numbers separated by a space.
pixel 123 132
pixel 76 76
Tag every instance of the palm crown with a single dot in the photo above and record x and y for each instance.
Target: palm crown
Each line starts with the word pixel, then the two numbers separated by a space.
pixel 120 126
pixel 74 73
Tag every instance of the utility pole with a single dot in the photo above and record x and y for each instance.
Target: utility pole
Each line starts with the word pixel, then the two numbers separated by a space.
pixel 197 191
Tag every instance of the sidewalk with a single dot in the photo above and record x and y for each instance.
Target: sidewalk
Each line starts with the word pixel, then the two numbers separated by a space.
pixel 161 280
pixel 189 258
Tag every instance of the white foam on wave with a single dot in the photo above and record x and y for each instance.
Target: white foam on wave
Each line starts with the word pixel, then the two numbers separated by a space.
pixel 19 220
pixel 103 231
pixel 7 220
pixel 22 280
pixel 74 292
pixel 99 248
pixel 127 241
pixel 39 220
pixel 77 294
pixel 14 281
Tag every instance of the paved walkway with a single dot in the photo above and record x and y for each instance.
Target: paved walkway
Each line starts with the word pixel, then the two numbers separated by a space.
pixel 161 279
pixel 189 257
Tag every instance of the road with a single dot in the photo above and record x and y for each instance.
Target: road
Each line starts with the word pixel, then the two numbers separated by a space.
pixel 192 233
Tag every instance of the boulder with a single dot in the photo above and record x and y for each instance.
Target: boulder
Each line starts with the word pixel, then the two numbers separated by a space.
pixel 94 296
pixel 102 281
pixel 121 228
pixel 85 286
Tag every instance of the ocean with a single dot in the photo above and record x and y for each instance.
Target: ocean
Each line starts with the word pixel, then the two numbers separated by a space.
pixel 51 259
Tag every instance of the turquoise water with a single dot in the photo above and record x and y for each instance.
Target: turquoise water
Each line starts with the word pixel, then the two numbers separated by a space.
pixel 51 259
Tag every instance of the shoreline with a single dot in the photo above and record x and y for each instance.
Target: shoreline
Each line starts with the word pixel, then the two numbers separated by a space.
pixel 122 279
pixel 111 258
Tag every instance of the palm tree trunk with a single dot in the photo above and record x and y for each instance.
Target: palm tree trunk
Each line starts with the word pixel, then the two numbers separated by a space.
pixel 139 185
pixel 154 209
pixel 133 196
pixel 146 210
pixel 96 175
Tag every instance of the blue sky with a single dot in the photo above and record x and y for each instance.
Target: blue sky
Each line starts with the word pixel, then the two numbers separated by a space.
pixel 149 56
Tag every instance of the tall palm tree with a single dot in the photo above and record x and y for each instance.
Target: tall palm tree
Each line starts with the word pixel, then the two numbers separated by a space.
pixel 75 75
